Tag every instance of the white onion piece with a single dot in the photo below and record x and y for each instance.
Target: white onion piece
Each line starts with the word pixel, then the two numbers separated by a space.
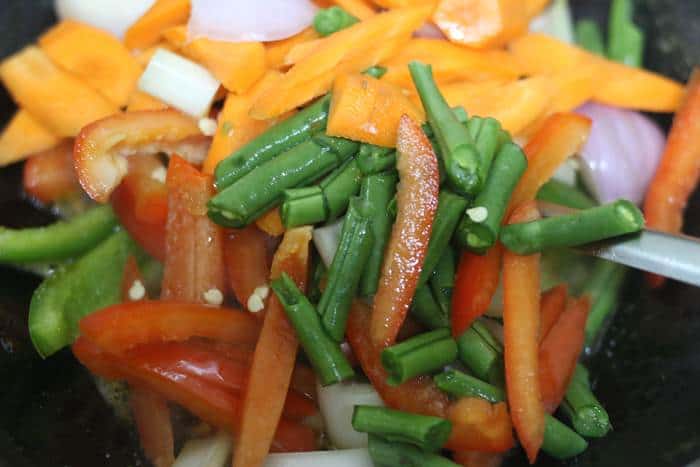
pixel 341 458
pixel 337 403
pixel 114 16
pixel 621 154
pixel 179 82
pixel 429 31
pixel 213 451
pixel 249 21
pixel 566 173
pixel 326 239
pixel 555 21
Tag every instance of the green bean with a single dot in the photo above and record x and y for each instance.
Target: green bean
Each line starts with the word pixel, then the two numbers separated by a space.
pixel 461 384
pixel 340 186
pixel 625 39
pixel 421 354
pixel 333 19
pixel 588 225
pixel 318 274
pixel 450 210
pixel 375 71
pixel 487 144
pixel 557 192
pixel 459 113
pixel 325 355
pixel 580 405
pixel 427 310
pixel 277 140
pixel 386 454
pixel 604 288
pixel 590 37
pixel 374 159
pixel 474 126
pixel 456 146
pixel 443 280
pixel 481 353
pixel 303 206
pixel 347 268
pixel 59 241
pixel 377 190
pixel 480 226
pixel 426 432
pixel 262 188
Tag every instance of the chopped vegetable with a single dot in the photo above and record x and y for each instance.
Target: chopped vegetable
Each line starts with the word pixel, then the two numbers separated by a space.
pixel 555 21
pixel 427 433
pixel 417 198
pixel 587 415
pixel 625 39
pixel 679 170
pixel 94 56
pixel 419 355
pixel 247 266
pixel 274 358
pixel 384 452
pixel 70 293
pixel 443 280
pixel 24 136
pixel 212 451
pixel 426 310
pixel 481 353
pixel 368 110
pixel 461 384
pixel 552 305
pixel 481 426
pixel 325 355
pixel 604 288
pixel 114 18
pixel 480 232
pixel 152 419
pixel 475 285
pixel 49 176
pixel 557 192
pixel 362 9
pixel 167 74
pixel 276 51
pixel 276 140
pixel 590 37
pixel 262 188
pixel 147 30
pixel 332 20
pixel 585 226
pixel 55 98
pixel 521 326
pixel 347 267
pixel 194 256
pixel 101 147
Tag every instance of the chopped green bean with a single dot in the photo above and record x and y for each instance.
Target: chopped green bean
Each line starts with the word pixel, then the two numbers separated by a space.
pixel 333 19
pixel 421 354
pixel 443 280
pixel 557 192
pixel 303 206
pixel 427 310
pixel 481 353
pixel 340 186
pixel 590 37
pixel 373 159
pixel 386 454
pixel 487 144
pixel 375 71
pixel 461 384
pixel 580 405
pixel 426 432
pixel 604 288
pixel 625 39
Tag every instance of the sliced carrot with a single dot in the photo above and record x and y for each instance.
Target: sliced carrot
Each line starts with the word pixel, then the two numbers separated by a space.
pixel 301 51
pixel 535 7
pixel 144 56
pixel 152 419
pixel 515 104
pixel 22 137
pixel 368 110
pixel 478 459
pixel 360 9
pixel 235 126
pixel 350 50
pixel 49 176
pixel 560 350
pixel 273 362
pixel 679 170
pixel 247 267
pixel 95 56
pixel 481 23
pixel 450 62
pixel 552 305
pixel 561 136
pixel 194 259
pixel 139 100
pixel 276 51
pixel 271 223
pixel 238 65
pixel 404 3
pixel 58 100
pixel 619 85
pixel 147 30
pixel 521 327
pixel 475 285
pixel 481 426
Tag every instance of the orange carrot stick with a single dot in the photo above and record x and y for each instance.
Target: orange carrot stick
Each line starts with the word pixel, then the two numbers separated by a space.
pixel 552 305
pixel 147 30
pixel 479 425
pixel 276 51
pixel 24 136
pixel 560 351
pixel 271 223
pixel 247 267
pixel 417 202
pixel 274 358
pixel 521 326
pixel 475 284
pixel 678 173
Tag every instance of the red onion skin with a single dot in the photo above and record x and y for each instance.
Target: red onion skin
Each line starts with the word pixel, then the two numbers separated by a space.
pixel 622 152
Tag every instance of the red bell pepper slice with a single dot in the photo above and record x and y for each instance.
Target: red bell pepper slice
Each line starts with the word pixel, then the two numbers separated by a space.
pixel 417 200
pixel 194 260
pixel 480 426
pixel 552 305
pixel 246 258
pixel 521 327
pixel 679 170
pixel 49 176
pixel 475 284
pixel 120 327
pixel 274 358
pixel 152 419
pixel 560 351
pixel 101 148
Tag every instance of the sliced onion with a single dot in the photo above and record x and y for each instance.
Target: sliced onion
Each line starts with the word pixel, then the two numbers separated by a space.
pixel 341 458
pixel 113 16
pixel 249 20
pixel 213 451
pixel 337 403
pixel 326 239
pixel 622 153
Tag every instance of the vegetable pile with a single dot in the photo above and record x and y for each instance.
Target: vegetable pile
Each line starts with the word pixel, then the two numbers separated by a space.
pixel 280 208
